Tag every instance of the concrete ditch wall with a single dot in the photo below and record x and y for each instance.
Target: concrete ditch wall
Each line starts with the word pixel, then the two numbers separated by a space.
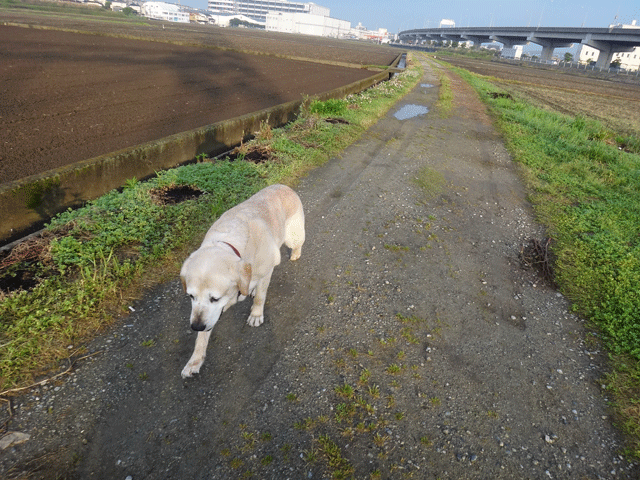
pixel 27 203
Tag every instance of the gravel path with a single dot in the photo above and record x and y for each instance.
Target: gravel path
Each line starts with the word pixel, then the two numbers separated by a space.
pixel 407 342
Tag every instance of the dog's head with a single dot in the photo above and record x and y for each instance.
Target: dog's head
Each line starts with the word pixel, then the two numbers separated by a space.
pixel 213 278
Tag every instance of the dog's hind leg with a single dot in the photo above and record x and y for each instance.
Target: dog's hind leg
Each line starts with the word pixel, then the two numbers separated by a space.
pixel 199 353
pixel 294 234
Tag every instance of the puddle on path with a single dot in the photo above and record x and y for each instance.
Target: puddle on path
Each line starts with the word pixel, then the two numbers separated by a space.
pixel 426 85
pixel 410 111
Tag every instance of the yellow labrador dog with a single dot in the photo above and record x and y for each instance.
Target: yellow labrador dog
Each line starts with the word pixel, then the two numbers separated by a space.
pixel 237 258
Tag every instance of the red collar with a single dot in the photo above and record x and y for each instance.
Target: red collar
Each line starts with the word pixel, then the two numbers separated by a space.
pixel 235 250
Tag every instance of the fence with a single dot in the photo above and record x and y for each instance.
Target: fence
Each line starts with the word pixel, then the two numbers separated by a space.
pixel 575 66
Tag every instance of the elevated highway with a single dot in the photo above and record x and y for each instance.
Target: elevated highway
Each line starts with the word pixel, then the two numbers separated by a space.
pixel 607 40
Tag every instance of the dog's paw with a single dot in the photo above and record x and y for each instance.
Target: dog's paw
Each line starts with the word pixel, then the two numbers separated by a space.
pixel 255 320
pixel 191 368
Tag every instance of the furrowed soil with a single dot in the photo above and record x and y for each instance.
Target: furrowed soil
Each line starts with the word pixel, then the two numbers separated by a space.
pixel 73 90
pixel 407 342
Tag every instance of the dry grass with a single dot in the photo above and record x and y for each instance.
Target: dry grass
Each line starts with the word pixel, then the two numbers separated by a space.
pixel 618 113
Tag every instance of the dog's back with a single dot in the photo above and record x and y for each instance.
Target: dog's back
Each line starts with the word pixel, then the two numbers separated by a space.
pixel 278 206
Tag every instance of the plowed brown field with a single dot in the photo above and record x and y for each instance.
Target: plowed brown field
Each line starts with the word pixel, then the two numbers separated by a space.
pixel 68 96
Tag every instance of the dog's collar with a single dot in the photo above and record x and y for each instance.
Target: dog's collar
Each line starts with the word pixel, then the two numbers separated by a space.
pixel 235 250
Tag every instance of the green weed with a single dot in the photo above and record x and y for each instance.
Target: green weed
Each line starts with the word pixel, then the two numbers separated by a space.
pixel 346 391
pixel 374 391
pixel 329 108
pixel 339 466
pixel 445 96
pixel 426 441
pixel 394 369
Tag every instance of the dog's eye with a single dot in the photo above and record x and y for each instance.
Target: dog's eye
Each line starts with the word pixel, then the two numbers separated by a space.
pixel 192 297
pixel 213 299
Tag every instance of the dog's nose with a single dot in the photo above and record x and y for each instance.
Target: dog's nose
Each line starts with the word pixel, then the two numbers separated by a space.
pixel 198 327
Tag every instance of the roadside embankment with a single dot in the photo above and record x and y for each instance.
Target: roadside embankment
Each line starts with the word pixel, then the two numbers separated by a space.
pixel 32 200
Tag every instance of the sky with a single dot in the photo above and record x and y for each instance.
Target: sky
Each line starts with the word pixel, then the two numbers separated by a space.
pixel 398 15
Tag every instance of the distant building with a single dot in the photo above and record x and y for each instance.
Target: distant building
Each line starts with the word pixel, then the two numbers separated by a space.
pixel 258 9
pixel 307 24
pixel 117 6
pixel 165 11
pixel 628 60
pixel 362 33
pixel 227 20
pixel 195 17
pixel 515 52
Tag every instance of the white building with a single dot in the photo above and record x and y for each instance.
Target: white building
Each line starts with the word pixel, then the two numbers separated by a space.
pixel 165 11
pixel 515 52
pixel 258 9
pixel 225 20
pixel 117 6
pixel 362 33
pixel 628 60
pixel 307 24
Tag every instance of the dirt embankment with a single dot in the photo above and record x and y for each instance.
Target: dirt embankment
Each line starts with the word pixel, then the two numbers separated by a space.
pixel 407 341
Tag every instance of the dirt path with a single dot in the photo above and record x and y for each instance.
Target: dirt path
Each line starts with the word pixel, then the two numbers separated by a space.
pixel 407 342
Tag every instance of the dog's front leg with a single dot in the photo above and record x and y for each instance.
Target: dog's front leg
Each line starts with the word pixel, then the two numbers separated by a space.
pixel 257 309
pixel 199 352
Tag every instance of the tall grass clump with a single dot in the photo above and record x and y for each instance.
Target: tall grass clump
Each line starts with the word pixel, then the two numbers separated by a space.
pixel 328 108
pixel 97 253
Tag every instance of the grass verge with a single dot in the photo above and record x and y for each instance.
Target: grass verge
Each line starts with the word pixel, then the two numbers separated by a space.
pixel 445 96
pixel 584 183
pixel 90 261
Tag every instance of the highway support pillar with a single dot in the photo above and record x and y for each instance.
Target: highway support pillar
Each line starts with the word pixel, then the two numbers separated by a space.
pixel 607 49
pixel 548 46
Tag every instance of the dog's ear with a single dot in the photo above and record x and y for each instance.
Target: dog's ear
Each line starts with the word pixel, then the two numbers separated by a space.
pixel 184 284
pixel 245 278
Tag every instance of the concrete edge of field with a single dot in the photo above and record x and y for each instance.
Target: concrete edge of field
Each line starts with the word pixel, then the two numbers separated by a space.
pixel 29 202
